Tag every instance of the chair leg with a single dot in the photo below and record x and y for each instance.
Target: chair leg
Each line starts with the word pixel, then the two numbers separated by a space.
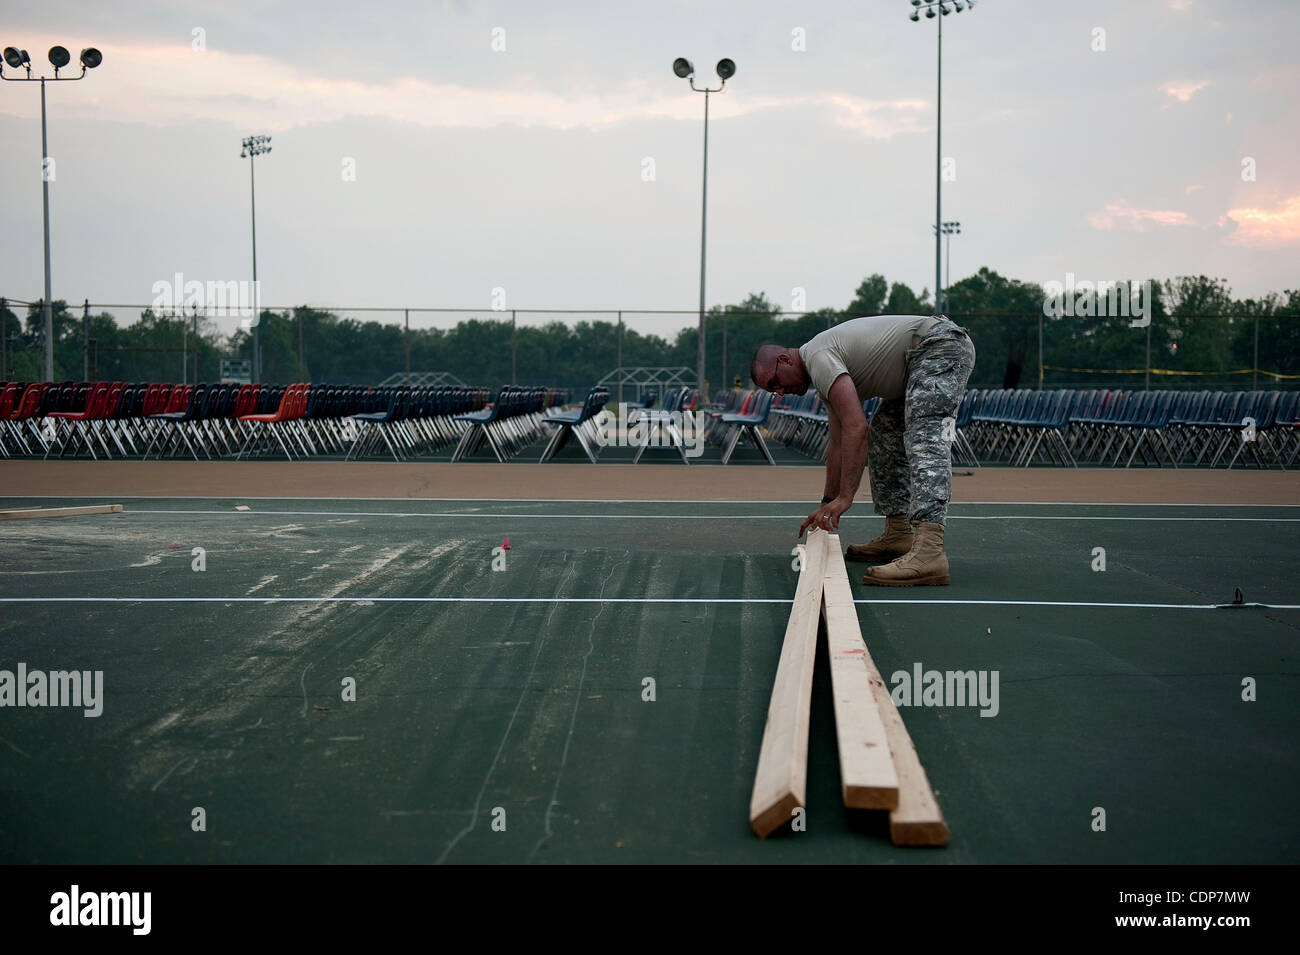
pixel 383 432
pixel 757 437
pixel 582 440
pixel 678 441
pixel 462 447
pixel 732 440
pixel 560 439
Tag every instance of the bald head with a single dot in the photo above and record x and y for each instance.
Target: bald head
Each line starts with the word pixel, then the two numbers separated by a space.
pixel 779 370
pixel 764 363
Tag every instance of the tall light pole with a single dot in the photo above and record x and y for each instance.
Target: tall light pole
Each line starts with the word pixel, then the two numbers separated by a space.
pixel 59 58
pixel 949 229
pixel 726 70
pixel 945 7
pixel 254 146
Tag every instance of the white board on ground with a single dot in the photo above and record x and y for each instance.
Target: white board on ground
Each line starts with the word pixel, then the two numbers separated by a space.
pixel 780 782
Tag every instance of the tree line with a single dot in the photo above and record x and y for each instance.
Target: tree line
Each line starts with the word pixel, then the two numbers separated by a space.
pixel 1197 325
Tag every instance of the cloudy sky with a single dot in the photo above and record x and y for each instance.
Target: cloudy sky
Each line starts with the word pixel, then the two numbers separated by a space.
pixel 427 153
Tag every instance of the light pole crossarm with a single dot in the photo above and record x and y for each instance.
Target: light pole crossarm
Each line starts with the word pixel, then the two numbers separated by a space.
pixel 42 79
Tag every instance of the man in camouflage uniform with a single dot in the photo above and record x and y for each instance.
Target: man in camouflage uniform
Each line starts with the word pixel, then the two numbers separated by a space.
pixel 918 365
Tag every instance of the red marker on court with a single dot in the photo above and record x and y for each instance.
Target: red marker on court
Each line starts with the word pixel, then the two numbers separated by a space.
pixel 505 544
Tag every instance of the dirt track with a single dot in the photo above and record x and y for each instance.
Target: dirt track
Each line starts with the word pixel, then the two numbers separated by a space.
pixel 648 482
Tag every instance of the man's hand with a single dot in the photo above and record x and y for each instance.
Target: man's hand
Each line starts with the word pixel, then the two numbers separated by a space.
pixel 826 517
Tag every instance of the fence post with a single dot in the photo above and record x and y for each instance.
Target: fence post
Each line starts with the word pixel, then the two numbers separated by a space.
pixel 1254 368
pixel 40 334
pixel 514 352
pixel 621 376
pixel 407 335
pixel 85 340
pixel 1040 350
pixel 726 382
pixel 4 342
pixel 1147 386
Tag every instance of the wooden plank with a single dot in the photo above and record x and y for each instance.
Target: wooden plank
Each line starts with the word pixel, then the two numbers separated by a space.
pixel 22 513
pixel 917 821
pixel 867 775
pixel 780 782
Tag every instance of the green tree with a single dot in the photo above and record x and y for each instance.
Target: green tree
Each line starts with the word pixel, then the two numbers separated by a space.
pixel 1002 316
pixel 903 301
pixel 1198 310
pixel 1278 318
pixel 870 296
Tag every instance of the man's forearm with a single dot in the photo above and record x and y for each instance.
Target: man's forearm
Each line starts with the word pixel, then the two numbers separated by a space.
pixel 852 459
pixel 833 475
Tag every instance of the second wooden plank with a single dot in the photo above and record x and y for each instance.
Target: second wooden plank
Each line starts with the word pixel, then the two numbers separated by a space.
pixel 867 774
pixel 27 512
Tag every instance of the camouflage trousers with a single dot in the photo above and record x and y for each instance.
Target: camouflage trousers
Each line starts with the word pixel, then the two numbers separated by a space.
pixel 909 453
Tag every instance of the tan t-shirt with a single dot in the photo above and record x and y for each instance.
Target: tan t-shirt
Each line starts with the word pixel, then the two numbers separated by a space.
pixel 872 351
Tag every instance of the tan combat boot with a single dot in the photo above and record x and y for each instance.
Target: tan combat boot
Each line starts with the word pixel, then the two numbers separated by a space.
pixel 924 564
pixel 896 541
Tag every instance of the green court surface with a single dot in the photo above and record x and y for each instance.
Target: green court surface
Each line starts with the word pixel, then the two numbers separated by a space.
pixel 516 695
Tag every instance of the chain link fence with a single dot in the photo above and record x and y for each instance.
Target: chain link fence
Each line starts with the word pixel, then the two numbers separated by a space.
pixel 575 348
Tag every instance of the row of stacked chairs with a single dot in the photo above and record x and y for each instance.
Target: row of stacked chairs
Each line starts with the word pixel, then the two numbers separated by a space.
pixel 412 421
pixel 511 422
pixel 70 417
pixel 423 419
pixel 1110 428
pixel 1153 428
pixel 1018 427
pixel 338 419
pixel 800 422
pixel 156 419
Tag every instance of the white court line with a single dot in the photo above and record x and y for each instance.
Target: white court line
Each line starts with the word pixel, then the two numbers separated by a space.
pixel 578 500
pixel 696 517
pixel 627 600
pixel 605 500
